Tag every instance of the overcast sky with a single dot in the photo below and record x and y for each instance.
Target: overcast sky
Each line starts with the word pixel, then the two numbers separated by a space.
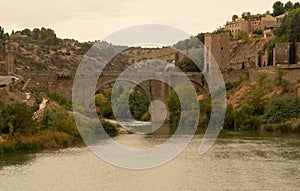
pixel 94 19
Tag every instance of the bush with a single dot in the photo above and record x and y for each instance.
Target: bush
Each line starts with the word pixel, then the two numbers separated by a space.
pixel 255 98
pixel 59 99
pixel 109 127
pixel 59 120
pixel 102 105
pixel 229 119
pixel 244 118
pixel 243 36
pixel 281 109
pixel 16 118
pixel 279 78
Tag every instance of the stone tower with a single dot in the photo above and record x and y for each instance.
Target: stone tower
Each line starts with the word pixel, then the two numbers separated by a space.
pixel 10 63
pixel 7 59
pixel 217 46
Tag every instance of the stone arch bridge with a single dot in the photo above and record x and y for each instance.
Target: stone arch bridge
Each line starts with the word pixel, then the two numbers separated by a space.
pixel 155 90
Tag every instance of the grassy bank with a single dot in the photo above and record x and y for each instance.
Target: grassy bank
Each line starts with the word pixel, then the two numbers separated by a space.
pixel 38 142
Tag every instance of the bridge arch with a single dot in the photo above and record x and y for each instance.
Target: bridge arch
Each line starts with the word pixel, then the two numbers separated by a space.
pixel 199 86
pixel 139 85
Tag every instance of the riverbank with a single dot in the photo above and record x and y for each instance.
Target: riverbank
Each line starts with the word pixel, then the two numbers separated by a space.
pixel 38 142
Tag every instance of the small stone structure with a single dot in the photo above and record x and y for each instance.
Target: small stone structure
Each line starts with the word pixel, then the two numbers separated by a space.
pixel 216 47
pixel 7 59
pixel 281 53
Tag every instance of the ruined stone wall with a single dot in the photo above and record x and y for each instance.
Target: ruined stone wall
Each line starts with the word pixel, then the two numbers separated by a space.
pixel 281 53
pixel 292 74
pixel 48 82
pixel 233 76
pixel 269 71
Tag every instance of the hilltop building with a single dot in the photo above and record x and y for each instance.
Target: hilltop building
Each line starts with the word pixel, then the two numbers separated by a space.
pixel 261 22
pixel 256 23
pixel 238 25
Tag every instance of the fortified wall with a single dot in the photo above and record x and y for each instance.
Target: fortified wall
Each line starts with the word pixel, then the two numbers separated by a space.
pixel 61 82
pixel 250 60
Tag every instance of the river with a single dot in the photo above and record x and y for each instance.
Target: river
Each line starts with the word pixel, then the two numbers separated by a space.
pixel 237 161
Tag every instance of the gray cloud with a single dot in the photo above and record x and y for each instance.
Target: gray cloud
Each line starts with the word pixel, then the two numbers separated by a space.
pixel 94 19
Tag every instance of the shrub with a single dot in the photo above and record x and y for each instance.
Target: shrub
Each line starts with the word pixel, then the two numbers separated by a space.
pixel 243 36
pixel 279 81
pixel 244 118
pixel 59 99
pixel 281 109
pixel 229 119
pixel 16 118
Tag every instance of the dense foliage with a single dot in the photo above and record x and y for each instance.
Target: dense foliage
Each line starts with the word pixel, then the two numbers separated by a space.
pixel 281 109
pixel 289 30
pixel 281 8
pixel 16 118
pixel 138 104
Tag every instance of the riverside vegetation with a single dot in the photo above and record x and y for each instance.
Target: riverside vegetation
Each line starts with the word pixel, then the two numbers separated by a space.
pixel 19 131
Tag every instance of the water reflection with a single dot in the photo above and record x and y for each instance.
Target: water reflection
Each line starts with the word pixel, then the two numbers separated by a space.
pixel 237 161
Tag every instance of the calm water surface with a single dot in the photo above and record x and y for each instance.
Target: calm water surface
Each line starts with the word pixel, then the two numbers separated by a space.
pixel 238 161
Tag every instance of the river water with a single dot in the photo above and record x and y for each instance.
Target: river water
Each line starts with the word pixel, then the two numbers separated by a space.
pixel 237 161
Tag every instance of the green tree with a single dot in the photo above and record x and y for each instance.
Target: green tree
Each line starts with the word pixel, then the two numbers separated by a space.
pixel 246 15
pixel 278 8
pixel 255 99
pixel 281 109
pixel 234 17
pixel 294 26
pixel 200 37
pixel 288 6
pixel 173 104
pixel 103 104
pixel 244 118
pixel 279 81
pixel 138 104
pixel 26 32
pixel 17 118
pixel 289 31
pixel 187 65
pixel 292 53
pixel 59 120
pixel 229 119
pixel 36 33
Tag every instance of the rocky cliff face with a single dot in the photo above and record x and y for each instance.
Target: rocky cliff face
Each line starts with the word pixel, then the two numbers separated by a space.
pixel 241 51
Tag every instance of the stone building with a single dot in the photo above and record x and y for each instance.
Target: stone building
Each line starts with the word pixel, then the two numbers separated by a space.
pixel 261 22
pixel 237 26
pixel 264 23
pixel 216 48
pixel 7 59
pixel 280 19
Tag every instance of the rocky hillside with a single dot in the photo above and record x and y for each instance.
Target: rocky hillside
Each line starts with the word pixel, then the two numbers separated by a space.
pixel 40 49
pixel 239 50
